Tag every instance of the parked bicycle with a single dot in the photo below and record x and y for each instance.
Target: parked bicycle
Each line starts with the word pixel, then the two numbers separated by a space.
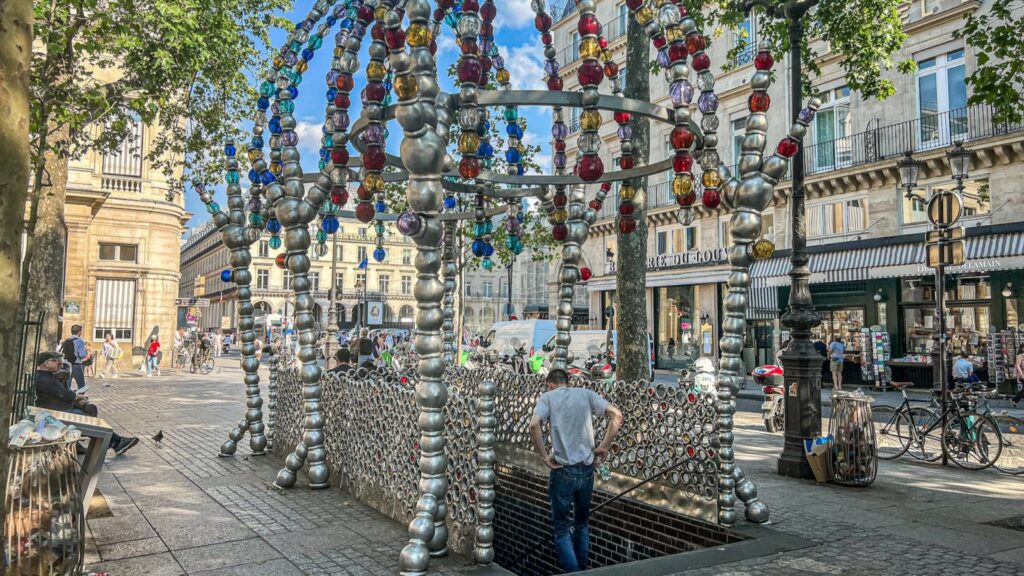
pixel 202 360
pixel 971 437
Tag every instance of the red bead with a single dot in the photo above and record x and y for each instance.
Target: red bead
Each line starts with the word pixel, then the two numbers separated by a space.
pixel 560 200
pixel 659 42
pixel 365 13
pixel 542 22
pixel 764 61
pixel 603 42
pixel 682 137
pixel 588 25
pixel 374 92
pixel 469 168
pixel 634 4
pixel 626 208
pixel 339 156
pixel 339 196
pixel 469 46
pixel 433 46
pixel 585 273
pixel 395 37
pixel 626 162
pixel 606 186
pixel 377 32
pixel 546 38
pixel 555 83
pixel 590 73
pixel 759 102
pixel 682 162
pixel 611 70
pixel 677 51
pixel 686 200
pixel 560 232
pixel 627 225
pixel 342 100
pixel 559 145
pixel 622 117
pixel 363 194
pixel 591 168
pixel 695 43
pixel 487 29
pixel 595 204
pixel 281 260
pixel 470 6
pixel 373 158
pixel 365 212
pixel 487 11
pixel 787 147
pixel 701 61
pixel 345 82
pixel 438 14
pixel 711 198
pixel 469 70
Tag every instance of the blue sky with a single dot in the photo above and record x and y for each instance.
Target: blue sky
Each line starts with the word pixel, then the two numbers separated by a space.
pixel 517 39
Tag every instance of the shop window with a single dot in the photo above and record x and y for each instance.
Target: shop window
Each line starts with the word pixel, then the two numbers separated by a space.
pixel 832 144
pixel 119 252
pixel 844 323
pixel 977 200
pixel 678 335
pixel 677 241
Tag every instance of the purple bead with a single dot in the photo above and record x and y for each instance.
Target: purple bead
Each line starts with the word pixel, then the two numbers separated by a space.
pixel 485 45
pixel 374 134
pixel 498 62
pixel 559 131
pixel 707 102
pixel 340 37
pixel 551 68
pixel 275 109
pixel 409 223
pixel 560 160
pixel 332 77
pixel 290 58
pixel 289 138
pixel 307 25
pixel 806 115
pixel 359 29
pixel 625 132
pixel 340 120
pixel 512 226
pixel 687 89
pixel 339 10
pixel 663 59
pixel 255 205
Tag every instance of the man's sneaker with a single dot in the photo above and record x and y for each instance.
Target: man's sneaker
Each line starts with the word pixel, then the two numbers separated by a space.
pixel 125 445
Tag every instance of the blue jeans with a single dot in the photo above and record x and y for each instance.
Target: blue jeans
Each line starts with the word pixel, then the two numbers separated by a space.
pixel 151 365
pixel 78 375
pixel 570 489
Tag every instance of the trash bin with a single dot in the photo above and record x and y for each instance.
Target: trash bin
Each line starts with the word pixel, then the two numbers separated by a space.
pixel 854 454
pixel 44 520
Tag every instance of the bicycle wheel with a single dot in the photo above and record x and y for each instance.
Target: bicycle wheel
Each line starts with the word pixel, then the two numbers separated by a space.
pixel 972 441
pixel 892 431
pixel 927 444
pixel 1011 428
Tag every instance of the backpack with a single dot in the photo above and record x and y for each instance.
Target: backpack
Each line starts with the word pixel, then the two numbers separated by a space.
pixel 67 348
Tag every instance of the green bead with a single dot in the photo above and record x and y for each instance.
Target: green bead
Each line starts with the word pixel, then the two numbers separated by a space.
pixel 488 226
pixel 330 207
pixel 511 114
pixel 213 208
pixel 315 42
pixel 322 164
pixel 321 236
pixel 256 219
pixel 488 264
pixel 267 88
pixel 328 141
pixel 488 163
pixel 295 46
pixel 379 228
pixel 275 242
pixel 387 100
pixel 287 106
pixel 231 177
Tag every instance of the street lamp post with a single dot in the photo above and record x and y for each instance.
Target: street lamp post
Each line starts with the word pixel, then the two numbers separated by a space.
pixel 801 362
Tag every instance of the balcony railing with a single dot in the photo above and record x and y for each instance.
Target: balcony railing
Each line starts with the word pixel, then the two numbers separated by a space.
pixel 919 135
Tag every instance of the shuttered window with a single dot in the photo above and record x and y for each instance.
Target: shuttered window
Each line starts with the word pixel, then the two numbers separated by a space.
pixel 126 159
pixel 115 309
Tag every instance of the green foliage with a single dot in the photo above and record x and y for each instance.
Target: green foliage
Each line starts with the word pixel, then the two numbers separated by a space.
pixel 179 66
pixel 998 78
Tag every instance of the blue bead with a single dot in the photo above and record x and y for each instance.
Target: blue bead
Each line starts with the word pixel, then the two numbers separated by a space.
pixel 253 176
pixel 478 248
pixel 521 170
pixel 230 150
pixel 331 20
pixel 512 156
pixel 294 92
pixel 330 224
pixel 268 177
pixel 256 142
pixel 274 125
pixel 275 242
pixel 515 131
pixel 380 254
pixel 225 276
pixel 332 93
pixel 273 226
pixel 325 154
pixel 485 150
pixel 307 54
pixel 263 103
pixel 450 202
pixel 346 23
pixel 380 207
pixel 488 250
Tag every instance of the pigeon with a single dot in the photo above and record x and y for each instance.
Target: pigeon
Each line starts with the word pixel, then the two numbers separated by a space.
pixel 158 437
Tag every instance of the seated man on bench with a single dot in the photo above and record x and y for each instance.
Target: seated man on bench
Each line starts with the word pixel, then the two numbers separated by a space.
pixel 51 394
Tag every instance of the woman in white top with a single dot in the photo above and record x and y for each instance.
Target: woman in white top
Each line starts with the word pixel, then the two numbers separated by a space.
pixel 110 352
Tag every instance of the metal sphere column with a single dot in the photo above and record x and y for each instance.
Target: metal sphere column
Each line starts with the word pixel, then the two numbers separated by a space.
pixel 274 361
pixel 423 154
pixel 483 550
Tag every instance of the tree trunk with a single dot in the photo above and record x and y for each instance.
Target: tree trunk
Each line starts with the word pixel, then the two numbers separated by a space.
pixel 15 63
pixel 631 261
pixel 47 245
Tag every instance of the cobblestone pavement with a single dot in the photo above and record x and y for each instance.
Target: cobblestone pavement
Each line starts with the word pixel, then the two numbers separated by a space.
pixel 179 509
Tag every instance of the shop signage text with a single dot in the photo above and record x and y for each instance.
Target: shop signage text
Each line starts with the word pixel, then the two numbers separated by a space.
pixel 692 258
pixel 981 264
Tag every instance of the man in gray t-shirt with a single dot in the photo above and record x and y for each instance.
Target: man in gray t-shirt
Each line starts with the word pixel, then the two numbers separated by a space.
pixel 571 412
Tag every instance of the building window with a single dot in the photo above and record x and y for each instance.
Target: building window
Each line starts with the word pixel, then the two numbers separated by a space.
pixel 126 159
pixel 575 46
pixel 942 99
pixel 977 200
pixel 832 145
pixel 406 284
pixel 361 253
pixel 768 226
pixel 469 289
pixel 115 309
pixel 622 76
pixel 744 40
pixel 677 241
pixel 836 218
pixel 339 253
pixel 739 130
pixel 362 232
pixel 406 256
pixel 119 252
pixel 723 232
pixel 383 283
pixel 287 282
pixel 406 314
pixel 264 249
pixel 339 282
pixel 361 280
pixel 574 120
pixel 314 281
pixel 488 289
pixel 262 279
pixel 621 21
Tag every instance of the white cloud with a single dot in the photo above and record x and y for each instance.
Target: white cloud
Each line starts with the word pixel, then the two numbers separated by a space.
pixel 543 158
pixel 526 66
pixel 446 44
pixel 309 134
pixel 514 14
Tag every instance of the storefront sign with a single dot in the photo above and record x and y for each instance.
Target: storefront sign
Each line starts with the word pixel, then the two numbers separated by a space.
pixel 692 258
pixel 982 264
pixel 776 281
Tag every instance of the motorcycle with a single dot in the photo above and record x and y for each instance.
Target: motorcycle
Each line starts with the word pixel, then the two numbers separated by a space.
pixel 773 410
pixel 517 361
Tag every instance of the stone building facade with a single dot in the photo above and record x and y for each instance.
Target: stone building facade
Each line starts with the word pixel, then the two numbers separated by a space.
pixel 858 216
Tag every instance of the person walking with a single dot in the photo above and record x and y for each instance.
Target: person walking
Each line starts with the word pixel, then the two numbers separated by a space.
pixel 571 462
pixel 364 349
pixel 218 344
pixel 110 352
pixel 152 360
pixel 836 350
pixel 74 351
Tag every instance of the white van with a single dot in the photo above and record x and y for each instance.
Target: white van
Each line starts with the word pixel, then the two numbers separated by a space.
pixel 506 336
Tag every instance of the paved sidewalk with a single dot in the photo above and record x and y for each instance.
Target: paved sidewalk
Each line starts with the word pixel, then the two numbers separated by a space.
pixel 179 509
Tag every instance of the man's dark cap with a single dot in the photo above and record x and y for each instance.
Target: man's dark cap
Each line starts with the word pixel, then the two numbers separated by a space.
pixel 42 357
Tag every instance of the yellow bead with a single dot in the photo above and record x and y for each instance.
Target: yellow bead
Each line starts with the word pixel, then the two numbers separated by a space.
pixel 301 66
pixel 469 143
pixel 682 184
pixel 339 51
pixel 381 13
pixel 559 216
pixel 711 179
pixel 503 76
pixel 590 120
pixel 627 192
pixel 255 154
pixel 418 35
pixel 673 34
pixel 606 55
pixel 644 15
pixel 278 62
pixel 375 71
pixel 275 168
pixel 589 48
pixel 763 249
pixel 373 182
pixel 405 86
